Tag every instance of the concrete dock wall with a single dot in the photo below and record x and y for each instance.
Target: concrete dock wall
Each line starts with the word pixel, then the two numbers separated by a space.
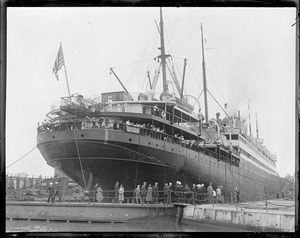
pixel 84 212
pixel 284 222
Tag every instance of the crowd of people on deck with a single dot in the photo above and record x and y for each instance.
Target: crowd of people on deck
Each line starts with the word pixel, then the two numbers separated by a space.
pixel 105 123
pixel 148 129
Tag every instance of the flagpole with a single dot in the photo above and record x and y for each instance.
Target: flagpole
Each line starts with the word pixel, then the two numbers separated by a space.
pixel 65 71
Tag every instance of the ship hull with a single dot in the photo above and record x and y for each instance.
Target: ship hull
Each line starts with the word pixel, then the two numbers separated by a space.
pixel 107 156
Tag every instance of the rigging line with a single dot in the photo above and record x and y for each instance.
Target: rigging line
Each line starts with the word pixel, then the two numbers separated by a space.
pixel 150 62
pixel 177 68
pixel 195 78
pixel 77 148
pixel 137 62
pixel 130 77
pixel 73 77
pixel 21 157
pixel 171 76
pixel 171 50
pixel 184 88
pixel 147 60
pixel 216 86
pixel 217 103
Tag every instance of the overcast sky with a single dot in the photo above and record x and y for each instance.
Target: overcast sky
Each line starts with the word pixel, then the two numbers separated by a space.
pixel 250 56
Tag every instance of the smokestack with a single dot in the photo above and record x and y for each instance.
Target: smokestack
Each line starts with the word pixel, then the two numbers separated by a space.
pixel 239 115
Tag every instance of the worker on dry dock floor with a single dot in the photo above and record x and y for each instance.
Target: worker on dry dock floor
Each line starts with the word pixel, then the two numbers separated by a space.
pixel 56 192
pixel 51 192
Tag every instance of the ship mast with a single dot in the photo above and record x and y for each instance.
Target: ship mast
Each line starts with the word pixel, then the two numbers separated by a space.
pixel 204 78
pixel 249 119
pixel 256 127
pixel 163 56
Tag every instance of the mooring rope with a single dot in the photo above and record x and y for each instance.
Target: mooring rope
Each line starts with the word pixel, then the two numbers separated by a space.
pixel 21 157
pixel 79 153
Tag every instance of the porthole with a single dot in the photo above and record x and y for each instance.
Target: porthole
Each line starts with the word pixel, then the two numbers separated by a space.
pixel 129 139
pixel 172 149
pixel 149 143
pixel 53 137
pixel 82 135
pixel 156 144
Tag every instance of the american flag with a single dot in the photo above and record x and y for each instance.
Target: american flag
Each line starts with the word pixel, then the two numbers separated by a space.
pixel 59 62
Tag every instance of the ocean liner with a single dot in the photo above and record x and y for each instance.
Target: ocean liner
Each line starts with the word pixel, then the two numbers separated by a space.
pixel 114 137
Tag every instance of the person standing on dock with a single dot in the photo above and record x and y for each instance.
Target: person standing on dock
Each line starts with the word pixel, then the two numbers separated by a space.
pixel 187 193
pixel 218 192
pixel 149 197
pixel 177 191
pixel 121 194
pixel 202 193
pixel 99 194
pixel 95 192
pixel 180 192
pixel 237 195
pixel 51 192
pixel 222 194
pixel 166 193
pixel 116 191
pixel 194 190
pixel 170 193
pixel 210 193
pixel 144 192
pixel 198 194
pixel 155 193
pixel 56 192
pixel 214 196
pixel 137 193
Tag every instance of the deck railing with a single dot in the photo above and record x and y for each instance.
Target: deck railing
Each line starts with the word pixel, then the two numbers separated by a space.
pixel 142 130
pixel 109 196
